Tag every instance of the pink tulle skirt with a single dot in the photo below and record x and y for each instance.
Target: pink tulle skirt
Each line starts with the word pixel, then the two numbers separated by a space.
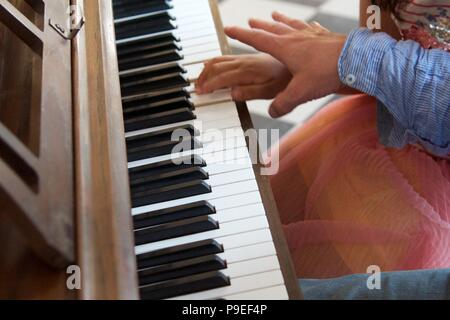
pixel 347 202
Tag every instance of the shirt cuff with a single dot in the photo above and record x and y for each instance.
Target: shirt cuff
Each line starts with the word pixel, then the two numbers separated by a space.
pixel 361 59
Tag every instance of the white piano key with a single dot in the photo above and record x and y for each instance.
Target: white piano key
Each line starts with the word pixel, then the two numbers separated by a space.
pixel 217 107
pixel 239 285
pixel 195 50
pixel 272 293
pixel 246 239
pixel 200 41
pixel 189 10
pixel 189 20
pixel 220 134
pixel 215 97
pixel 194 30
pixel 194 71
pixel 226 229
pixel 217 110
pixel 253 266
pixel 229 166
pixel 237 201
pixel 221 145
pixel 195 34
pixel 230 177
pixel 255 251
pixel 187 3
pixel 201 57
pixel 242 213
pixel 219 192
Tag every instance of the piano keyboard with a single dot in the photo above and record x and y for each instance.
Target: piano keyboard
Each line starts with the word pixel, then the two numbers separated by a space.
pixel 200 226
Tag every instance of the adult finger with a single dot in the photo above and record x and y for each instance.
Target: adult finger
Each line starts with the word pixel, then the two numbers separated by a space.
pixel 289 99
pixel 272 27
pixel 251 92
pixel 259 39
pixel 318 26
pixel 293 23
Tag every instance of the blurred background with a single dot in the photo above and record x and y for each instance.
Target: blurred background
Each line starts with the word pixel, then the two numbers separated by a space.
pixel 337 15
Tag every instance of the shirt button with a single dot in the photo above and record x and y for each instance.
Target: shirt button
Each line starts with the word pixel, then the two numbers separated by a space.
pixel 350 79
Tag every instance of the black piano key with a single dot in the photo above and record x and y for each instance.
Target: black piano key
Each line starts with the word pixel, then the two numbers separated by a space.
pixel 149 43
pixel 152 120
pixel 151 84
pixel 157 170
pixel 129 8
pixel 152 178
pixel 154 96
pixel 178 253
pixel 149 75
pixel 180 176
pixel 160 22
pixel 142 140
pixel 183 286
pixel 150 57
pixel 181 269
pixel 192 210
pixel 140 150
pixel 175 230
pixel 158 107
pixel 135 142
pixel 131 105
pixel 169 193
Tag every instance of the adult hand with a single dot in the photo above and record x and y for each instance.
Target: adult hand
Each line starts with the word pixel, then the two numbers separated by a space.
pixel 309 51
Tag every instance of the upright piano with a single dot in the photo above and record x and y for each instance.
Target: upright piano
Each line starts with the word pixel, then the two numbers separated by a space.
pixel 92 184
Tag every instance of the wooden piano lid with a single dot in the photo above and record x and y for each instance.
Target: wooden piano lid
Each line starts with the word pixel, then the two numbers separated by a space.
pixel 65 199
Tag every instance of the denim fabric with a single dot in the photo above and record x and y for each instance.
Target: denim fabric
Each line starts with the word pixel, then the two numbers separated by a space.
pixel 405 285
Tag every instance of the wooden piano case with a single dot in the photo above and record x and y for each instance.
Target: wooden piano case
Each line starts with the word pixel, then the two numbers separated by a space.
pixel 64 195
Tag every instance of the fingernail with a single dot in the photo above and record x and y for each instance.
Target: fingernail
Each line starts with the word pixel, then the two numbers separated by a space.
pixel 274 113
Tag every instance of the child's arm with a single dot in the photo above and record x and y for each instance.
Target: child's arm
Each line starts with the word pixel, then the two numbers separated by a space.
pixel 410 81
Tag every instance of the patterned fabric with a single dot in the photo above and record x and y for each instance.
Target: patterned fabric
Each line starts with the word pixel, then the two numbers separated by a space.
pixel 411 83
pixel 346 201
pixel 426 22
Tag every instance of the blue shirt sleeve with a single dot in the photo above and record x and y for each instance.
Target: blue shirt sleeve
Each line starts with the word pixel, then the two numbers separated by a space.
pixel 411 82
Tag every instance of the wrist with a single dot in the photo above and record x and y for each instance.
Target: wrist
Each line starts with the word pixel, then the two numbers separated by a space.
pixel 361 59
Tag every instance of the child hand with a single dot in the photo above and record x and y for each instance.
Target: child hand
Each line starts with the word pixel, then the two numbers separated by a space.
pixel 253 76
